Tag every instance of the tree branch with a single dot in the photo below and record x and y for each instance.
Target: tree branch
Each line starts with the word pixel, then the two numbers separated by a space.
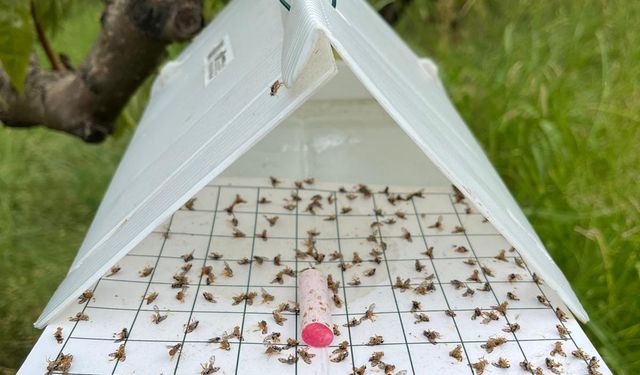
pixel 86 102
pixel 44 42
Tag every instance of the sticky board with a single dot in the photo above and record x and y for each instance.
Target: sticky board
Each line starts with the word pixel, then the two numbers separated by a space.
pixel 205 232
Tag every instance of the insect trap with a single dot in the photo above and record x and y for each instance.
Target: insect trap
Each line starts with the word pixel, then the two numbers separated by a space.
pixel 283 210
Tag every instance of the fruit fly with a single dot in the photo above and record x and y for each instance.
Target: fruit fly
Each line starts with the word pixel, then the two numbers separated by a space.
pixel 189 204
pixel 290 360
pixel 438 224
pixel 266 297
pixel 272 220
pixel 174 349
pixel 262 327
pixel 115 269
pixel 121 336
pixel 181 294
pixel 187 257
pixel 85 296
pixel 431 335
pixel 406 235
pixel 119 354
pixel 58 335
pixel 492 343
pixel 79 317
pixel 146 271
pixel 156 317
pixel 456 353
pixel 502 256
pixel 501 363
pixel 480 366
pixel 421 318
pixel 277 316
pixel 208 367
pixel 188 328
pixel 227 272
pixel 305 355
pixel 557 349
pixel 375 340
pixel 209 297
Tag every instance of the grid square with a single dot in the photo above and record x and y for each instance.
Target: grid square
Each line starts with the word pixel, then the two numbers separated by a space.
pixel 192 222
pixel 179 244
pixel 232 249
pixel 430 301
pixel 389 209
pixel 285 227
pixel 228 196
pixel 277 198
pixel 170 329
pixel 448 223
pixel 90 364
pixel 273 247
pixel 358 272
pixel 428 358
pixel 483 300
pixel 409 223
pixel 532 324
pixel 455 269
pixel 326 209
pixel 395 354
pixel 111 293
pixel 166 268
pixel 438 321
pixel 167 297
pixel 153 357
pixel 437 204
pixel 281 295
pixel 205 199
pixel 264 275
pixel 240 275
pixel 509 351
pixel 407 269
pixel 399 248
pixel 475 224
pixel 501 270
pixel 130 267
pixel 355 226
pixel 490 246
pixel 359 299
pixel 223 296
pixel 103 323
pixel 444 246
pixel 538 351
pixel 224 227
pixel 194 354
pixel 252 334
pixel 393 331
pixel 150 245
pixel 326 229
pixel 359 206
pixel 252 354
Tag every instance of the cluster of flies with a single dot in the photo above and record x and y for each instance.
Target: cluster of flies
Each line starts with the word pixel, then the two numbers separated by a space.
pixel 272 341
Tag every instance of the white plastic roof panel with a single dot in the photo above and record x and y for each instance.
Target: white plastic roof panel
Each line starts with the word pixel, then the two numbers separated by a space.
pixel 208 109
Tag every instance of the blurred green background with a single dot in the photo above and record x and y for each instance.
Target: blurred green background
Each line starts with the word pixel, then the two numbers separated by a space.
pixel 551 89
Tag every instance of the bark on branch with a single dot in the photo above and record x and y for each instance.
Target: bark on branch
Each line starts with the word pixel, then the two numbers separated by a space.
pixel 87 101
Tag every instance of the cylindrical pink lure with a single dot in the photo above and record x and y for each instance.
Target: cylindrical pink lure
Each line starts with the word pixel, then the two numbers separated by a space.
pixel 315 310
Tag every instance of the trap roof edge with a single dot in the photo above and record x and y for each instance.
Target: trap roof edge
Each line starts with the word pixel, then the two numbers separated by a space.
pixel 165 165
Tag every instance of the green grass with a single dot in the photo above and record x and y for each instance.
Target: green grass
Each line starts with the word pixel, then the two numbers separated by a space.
pixel 549 88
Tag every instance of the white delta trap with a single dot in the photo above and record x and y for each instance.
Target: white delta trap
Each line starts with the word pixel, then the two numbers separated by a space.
pixel 379 116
